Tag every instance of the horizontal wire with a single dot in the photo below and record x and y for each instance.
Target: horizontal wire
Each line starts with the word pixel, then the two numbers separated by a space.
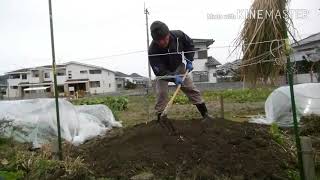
pixel 170 53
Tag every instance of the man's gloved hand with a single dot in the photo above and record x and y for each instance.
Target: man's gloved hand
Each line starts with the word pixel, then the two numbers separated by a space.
pixel 189 65
pixel 178 80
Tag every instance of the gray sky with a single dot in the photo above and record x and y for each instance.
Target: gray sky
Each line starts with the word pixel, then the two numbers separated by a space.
pixel 87 29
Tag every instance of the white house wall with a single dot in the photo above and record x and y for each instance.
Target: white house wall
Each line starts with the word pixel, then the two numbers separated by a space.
pixel 60 79
pixel 105 78
pixel 14 82
pixel 200 65
pixel 212 75
pixel 202 47
pixel 12 93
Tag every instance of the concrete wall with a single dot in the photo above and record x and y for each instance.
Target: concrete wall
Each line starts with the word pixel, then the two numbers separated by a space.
pixel 304 78
pixel 212 86
pixel 219 86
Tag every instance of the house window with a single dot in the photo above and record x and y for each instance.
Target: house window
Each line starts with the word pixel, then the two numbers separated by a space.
pixel 69 75
pixel 84 72
pixel 46 75
pixel 24 76
pixel 200 76
pixel 14 76
pixel 214 74
pixel 94 84
pixel 14 87
pixel 203 54
pixel 95 71
pixel 61 73
pixel 109 85
pixel 35 73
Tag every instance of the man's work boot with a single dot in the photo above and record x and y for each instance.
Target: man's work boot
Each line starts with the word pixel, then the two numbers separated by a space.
pixel 202 108
pixel 207 118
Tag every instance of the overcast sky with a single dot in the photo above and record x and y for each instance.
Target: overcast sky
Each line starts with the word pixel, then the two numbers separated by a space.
pixel 86 29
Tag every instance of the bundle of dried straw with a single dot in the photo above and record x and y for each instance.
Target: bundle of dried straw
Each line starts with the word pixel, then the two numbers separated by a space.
pixel 263 41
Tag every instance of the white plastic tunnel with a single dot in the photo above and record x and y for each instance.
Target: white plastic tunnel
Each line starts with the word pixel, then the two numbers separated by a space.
pixel 278 104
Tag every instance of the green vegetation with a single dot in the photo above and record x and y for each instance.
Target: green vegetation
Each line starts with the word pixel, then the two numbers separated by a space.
pixel 239 95
pixel 11 175
pixel 276 134
pixel 119 103
pixel 293 174
pixel 231 95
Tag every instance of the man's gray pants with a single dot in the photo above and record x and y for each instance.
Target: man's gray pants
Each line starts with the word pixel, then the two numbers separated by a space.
pixel 188 88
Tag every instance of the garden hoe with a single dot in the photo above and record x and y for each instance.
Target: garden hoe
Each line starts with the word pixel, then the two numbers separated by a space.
pixel 164 121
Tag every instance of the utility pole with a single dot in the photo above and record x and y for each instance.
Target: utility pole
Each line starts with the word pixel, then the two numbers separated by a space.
pixel 55 82
pixel 146 12
pixel 149 85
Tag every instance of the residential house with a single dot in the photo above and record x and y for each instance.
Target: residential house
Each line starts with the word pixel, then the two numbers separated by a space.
pixel 73 78
pixel 122 79
pixel 204 66
pixel 306 54
pixel 3 85
pixel 138 79
pixel 229 71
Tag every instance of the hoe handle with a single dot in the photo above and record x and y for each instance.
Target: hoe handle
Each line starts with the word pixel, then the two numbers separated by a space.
pixel 174 96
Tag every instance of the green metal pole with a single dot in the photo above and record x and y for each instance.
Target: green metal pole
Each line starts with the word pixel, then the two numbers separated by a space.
pixel 290 80
pixel 55 82
pixel 295 121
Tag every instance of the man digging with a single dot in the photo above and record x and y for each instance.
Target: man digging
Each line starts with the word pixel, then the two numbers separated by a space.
pixel 166 41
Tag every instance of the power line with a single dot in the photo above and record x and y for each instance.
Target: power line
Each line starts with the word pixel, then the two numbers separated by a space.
pixel 110 56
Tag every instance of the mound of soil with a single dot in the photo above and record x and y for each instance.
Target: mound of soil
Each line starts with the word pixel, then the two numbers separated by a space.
pixel 225 149
pixel 310 125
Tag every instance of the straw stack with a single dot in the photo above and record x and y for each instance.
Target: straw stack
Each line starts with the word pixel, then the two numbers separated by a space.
pixel 262 41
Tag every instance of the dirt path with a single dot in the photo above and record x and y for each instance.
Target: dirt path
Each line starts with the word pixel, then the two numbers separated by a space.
pixel 226 149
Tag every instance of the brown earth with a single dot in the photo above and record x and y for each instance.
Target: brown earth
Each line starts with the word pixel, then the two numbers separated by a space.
pixel 226 149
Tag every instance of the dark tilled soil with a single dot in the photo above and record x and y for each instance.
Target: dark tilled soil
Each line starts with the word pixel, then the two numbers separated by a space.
pixel 310 126
pixel 225 149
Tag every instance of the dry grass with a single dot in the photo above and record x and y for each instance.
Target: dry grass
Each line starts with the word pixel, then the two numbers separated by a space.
pixel 255 68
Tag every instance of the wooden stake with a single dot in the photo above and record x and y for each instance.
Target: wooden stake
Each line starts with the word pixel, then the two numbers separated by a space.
pixel 308 158
pixel 221 107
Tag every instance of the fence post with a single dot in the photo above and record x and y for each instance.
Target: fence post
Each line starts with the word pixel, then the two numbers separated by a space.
pixel 221 107
pixel 308 158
